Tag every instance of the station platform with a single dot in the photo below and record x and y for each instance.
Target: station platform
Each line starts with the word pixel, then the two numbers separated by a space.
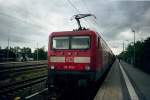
pixel 139 79
pixel 124 82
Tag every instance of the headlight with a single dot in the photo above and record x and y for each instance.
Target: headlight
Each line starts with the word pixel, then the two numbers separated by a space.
pixel 87 68
pixel 52 67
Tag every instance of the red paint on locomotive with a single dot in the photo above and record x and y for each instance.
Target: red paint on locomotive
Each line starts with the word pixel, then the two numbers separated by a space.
pixel 87 61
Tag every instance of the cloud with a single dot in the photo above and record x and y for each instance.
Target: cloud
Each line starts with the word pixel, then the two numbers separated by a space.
pixel 117 18
pixel 30 21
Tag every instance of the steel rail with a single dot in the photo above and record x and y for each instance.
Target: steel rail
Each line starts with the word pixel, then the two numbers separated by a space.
pixel 24 68
pixel 7 73
pixel 22 84
pixel 7 70
pixel 7 66
pixel 6 63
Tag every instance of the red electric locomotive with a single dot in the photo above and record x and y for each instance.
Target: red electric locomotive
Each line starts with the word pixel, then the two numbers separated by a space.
pixel 77 56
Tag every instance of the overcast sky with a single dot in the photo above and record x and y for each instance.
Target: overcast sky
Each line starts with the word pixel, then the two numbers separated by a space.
pixel 28 22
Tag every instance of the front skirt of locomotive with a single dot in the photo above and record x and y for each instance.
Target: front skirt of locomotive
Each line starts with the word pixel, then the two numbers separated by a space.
pixel 62 78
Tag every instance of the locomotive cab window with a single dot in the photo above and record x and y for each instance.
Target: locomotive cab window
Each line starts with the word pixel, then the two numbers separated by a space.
pixel 80 42
pixel 71 42
pixel 60 43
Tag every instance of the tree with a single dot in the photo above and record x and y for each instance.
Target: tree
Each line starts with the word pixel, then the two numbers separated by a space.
pixel 41 53
pixel 145 56
pixel 142 54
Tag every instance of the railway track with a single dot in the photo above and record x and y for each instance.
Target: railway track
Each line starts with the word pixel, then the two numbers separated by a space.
pixel 10 70
pixel 17 68
pixel 10 88
pixel 7 65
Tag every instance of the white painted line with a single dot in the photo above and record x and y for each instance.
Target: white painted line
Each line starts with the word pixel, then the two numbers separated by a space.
pixel 32 95
pixel 130 88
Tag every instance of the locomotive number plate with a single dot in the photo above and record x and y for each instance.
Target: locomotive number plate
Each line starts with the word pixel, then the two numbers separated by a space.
pixel 69 59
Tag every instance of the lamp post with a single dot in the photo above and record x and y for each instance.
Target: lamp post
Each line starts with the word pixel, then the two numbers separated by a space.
pixel 127 44
pixel 37 52
pixel 134 48
pixel 8 50
pixel 123 50
pixel 126 49
pixel 123 46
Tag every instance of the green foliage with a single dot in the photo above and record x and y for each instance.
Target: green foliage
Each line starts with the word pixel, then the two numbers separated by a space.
pixel 40 54
pixel 145 56
pixel 142 54
pixel 13 53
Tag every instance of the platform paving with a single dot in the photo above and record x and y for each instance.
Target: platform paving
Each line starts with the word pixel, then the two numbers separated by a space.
pixel 115 86
pixel 111 88
pixel 139 79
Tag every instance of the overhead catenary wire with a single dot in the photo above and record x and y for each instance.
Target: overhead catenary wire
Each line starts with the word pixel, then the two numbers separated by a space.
pixel 14 18
pixel 76 9
pixel 89 11
pixel 85 5
pixel 22 21
pixel 73 6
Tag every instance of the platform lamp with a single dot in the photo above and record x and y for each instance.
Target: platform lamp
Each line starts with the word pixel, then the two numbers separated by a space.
pixel 134 47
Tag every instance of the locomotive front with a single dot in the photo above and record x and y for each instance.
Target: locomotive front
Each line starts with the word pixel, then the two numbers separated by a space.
pixel 70 57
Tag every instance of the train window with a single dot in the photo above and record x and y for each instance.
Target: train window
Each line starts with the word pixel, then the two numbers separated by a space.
pixel 60 43
pixel 80 42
